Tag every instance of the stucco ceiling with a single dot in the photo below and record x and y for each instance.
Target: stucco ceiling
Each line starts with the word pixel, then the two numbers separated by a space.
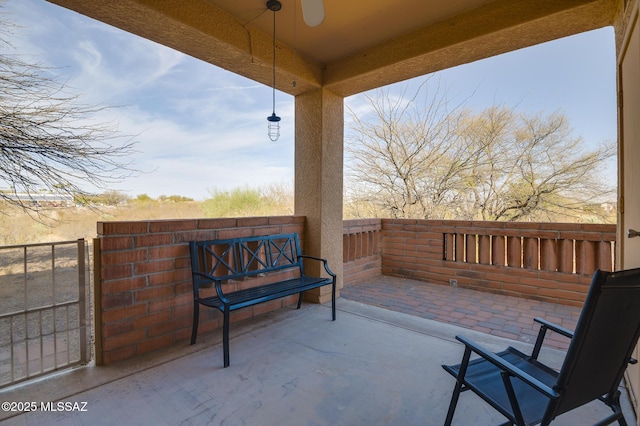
pixel 360 45
pixel 349 26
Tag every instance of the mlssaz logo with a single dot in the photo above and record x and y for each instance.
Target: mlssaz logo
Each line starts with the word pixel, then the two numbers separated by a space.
pixel 63 406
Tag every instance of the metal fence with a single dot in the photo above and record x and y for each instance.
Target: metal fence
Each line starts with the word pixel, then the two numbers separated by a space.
pixel 43 309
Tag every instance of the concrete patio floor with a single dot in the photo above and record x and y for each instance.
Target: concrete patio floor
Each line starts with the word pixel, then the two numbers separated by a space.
pixel 372 366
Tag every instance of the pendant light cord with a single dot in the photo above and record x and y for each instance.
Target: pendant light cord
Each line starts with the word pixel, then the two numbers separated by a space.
pixel 294 45
pixel 274 62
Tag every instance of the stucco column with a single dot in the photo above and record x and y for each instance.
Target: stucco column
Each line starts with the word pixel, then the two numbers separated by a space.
pixel 318 180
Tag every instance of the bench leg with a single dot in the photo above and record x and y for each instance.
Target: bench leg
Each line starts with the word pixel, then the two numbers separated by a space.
pixel 300 299
pixel 333 301
pixel 225 336
pixel 196 317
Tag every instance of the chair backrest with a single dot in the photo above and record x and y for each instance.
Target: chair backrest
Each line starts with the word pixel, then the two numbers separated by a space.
pixel 241 257
pixel 603 342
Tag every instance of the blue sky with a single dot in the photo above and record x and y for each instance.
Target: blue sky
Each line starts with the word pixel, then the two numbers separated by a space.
pixel 201 128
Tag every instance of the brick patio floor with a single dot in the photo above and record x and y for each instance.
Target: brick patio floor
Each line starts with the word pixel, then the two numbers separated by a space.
pixel 495 314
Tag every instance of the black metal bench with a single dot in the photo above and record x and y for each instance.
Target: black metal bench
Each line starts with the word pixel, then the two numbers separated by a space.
pixel 215 262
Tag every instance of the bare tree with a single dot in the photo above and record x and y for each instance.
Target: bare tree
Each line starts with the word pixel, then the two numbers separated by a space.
pixel 414 157
pixel 401 154
pixel 48 140
pixel 530 168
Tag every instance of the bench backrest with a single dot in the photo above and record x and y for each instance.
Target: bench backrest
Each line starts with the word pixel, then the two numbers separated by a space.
pixel 241 257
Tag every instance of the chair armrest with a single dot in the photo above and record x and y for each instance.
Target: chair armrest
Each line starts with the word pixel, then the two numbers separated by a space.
pixel 555 327
pixel 324 261
pixel 508 367
pixel 547 325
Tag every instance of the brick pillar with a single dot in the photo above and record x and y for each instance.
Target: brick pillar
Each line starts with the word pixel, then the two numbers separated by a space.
pixel 605 261
pixel 514 252
pixel 548 255
pixel 565 256
pixel 498 251
pixel 471 249
pixel 460 248
pixel 484 249
pixel 585 257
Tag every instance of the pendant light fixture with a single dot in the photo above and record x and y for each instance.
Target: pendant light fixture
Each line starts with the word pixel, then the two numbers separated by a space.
pixel 273 120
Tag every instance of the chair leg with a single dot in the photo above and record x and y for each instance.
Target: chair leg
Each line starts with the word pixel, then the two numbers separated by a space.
pixel 513 400
pixel 613 402
pixel 617 408
pixel 458 388
pixel 225 336
pixel 196 318
pixel 452 405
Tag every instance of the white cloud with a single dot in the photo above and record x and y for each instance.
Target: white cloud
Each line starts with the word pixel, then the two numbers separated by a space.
pixel 198 127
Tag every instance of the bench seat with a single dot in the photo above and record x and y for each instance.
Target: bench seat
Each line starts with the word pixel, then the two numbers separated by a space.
pixel 252 296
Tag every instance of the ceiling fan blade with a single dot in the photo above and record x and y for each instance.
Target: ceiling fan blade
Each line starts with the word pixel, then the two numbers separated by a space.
pixel 313 12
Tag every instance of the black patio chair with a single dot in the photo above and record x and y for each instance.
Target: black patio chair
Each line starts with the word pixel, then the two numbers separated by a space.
pixel 528 392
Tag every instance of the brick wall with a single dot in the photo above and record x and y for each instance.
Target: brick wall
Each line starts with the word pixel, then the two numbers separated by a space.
pixel 143 280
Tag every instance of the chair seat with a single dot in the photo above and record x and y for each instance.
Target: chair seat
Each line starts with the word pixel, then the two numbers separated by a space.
pixel 484 379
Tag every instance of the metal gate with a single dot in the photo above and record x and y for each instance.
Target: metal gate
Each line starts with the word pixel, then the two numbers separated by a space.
pixel 43 309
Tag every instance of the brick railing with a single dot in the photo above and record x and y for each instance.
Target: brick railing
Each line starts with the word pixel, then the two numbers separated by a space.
pixel 143 279
pixel 361 249
pixel 570 248
pixel 544 261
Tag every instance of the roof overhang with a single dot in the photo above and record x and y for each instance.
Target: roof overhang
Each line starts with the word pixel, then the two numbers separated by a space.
pixel 361 45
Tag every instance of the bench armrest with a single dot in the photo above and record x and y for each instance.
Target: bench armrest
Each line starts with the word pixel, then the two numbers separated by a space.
pixel 217 283
pixel 324 261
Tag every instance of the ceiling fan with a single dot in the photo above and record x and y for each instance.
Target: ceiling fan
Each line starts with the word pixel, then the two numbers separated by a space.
pixel 313 12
